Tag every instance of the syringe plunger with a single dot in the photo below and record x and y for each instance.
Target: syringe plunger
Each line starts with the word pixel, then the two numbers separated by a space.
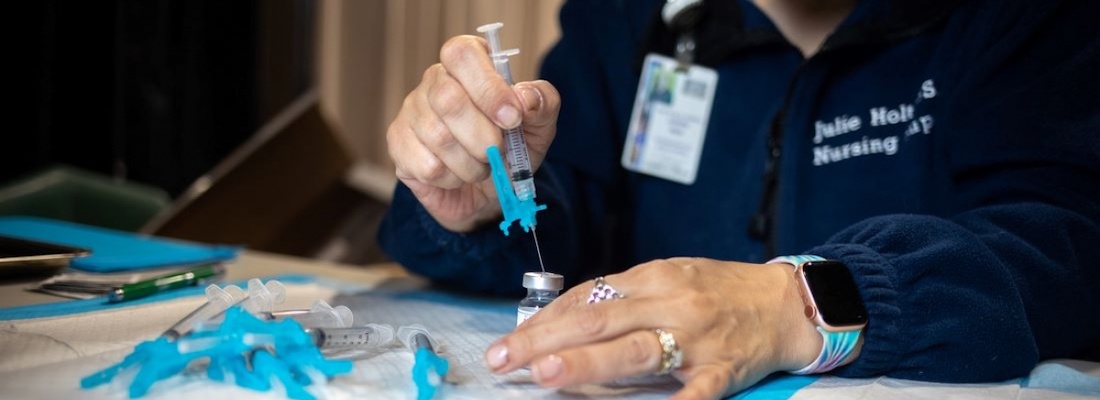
pixel 500 57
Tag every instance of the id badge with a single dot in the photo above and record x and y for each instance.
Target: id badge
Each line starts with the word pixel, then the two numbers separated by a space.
pixel 669 121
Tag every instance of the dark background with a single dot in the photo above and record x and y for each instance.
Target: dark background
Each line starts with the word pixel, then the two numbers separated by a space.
pixel 156 91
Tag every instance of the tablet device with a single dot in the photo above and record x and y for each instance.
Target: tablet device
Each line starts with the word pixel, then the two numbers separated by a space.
pixel 21 256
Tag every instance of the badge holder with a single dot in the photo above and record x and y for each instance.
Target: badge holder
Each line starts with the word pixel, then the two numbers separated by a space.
pixel 672 105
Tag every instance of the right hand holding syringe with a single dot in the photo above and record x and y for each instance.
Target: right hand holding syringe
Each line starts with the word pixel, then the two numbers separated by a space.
pixel 439 137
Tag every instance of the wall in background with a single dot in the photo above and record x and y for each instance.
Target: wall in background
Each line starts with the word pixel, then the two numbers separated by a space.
pixel 161 91
pixel 152 91
pixel 372 53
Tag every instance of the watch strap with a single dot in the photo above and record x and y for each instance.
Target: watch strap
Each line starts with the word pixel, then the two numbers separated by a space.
pixel 835 346
pixel 795 261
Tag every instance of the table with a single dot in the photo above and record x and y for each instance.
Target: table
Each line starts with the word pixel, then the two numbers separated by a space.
pixel 45 357
pixel 250 264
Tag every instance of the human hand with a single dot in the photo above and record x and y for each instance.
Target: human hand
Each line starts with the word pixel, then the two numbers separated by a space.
pixel 439 137
pixel 734 322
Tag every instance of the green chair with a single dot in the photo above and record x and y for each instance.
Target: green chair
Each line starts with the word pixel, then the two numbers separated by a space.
pixel 70 194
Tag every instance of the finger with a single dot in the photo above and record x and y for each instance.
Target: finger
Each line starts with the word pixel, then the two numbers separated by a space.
pixel 579 294
pixel 467 59
pixel 636 353
pixel 569 321
pixel 412 160
pixel 705 382
pixel 461 133
pixel 558 330
pixel 541 103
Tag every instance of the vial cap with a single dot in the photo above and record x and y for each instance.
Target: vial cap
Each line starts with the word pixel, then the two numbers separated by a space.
pixel 543 281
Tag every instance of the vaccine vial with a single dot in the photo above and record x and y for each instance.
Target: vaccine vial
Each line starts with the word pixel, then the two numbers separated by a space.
pixel 542 288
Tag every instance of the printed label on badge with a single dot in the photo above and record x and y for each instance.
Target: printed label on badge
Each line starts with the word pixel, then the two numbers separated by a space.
pixel 669 122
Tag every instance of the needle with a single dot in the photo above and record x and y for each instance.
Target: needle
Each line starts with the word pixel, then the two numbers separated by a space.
pixel 537 250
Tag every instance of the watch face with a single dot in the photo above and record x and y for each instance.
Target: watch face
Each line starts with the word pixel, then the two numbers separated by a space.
pixel 834 293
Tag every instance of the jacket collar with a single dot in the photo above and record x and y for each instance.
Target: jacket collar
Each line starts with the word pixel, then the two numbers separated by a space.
pixel 729 27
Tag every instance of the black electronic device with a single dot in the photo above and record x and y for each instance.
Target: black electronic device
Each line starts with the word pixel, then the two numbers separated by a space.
pixel 831 296
pixel 23 257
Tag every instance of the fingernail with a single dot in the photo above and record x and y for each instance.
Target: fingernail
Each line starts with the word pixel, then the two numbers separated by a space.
pixel 546 369
pixel 508 117
pixel 532 99
pixel 497 356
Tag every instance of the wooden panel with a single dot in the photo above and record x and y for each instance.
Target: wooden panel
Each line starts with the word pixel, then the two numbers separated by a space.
pixel 282 191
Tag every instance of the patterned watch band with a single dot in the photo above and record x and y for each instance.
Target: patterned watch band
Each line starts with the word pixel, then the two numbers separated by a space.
pixel 835 346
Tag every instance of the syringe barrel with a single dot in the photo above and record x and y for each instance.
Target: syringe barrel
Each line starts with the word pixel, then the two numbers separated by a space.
pixel 363 337
pixel 518 164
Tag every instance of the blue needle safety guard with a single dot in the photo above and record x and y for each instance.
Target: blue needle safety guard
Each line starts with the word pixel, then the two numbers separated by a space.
pixel 513 208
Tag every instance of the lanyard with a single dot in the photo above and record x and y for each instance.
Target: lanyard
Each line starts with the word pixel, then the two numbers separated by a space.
pixel 682 16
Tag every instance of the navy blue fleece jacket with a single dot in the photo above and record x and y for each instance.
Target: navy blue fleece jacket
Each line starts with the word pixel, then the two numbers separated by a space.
pixel 948 152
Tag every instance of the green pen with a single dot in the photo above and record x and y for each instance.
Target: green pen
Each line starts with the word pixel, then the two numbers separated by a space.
pixel 159 284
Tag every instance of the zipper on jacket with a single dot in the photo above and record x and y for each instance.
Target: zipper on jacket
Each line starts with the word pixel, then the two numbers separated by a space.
pixel 761 225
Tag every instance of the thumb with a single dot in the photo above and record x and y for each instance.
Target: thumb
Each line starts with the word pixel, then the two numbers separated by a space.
pixel 541 103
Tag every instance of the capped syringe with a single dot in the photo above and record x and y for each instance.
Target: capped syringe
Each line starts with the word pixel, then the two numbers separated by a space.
pixel 217 300
pixel 319 315
pixel 260 298
pixel 429 368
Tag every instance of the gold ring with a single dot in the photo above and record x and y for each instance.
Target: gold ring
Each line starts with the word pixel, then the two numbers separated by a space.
pixel 671 355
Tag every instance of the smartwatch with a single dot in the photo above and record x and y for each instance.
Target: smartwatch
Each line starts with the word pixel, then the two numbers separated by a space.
pixel 831 300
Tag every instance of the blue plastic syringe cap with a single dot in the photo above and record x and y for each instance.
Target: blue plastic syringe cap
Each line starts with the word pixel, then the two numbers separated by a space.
pixel 429 369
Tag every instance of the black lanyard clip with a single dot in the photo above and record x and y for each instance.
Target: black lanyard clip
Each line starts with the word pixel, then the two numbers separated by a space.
pixel 681 17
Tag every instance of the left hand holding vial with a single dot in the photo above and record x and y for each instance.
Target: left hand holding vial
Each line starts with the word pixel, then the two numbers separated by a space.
pixel 716 326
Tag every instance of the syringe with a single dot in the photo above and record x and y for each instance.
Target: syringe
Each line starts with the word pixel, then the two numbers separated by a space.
pixel 429 368
pixel 320 315
pixel 217 300
pixel 259 299
pixel 515 152
pixel 515 147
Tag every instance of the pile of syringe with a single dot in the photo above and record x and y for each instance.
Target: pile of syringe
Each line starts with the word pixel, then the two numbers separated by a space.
pixel 239 333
